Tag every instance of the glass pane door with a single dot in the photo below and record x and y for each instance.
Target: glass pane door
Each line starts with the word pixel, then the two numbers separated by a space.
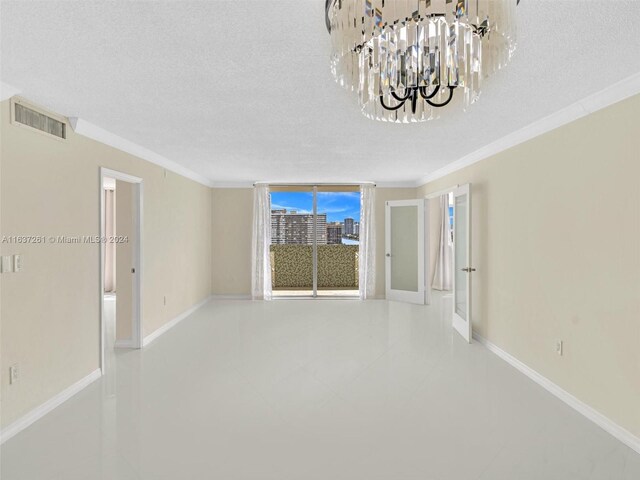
pixel 292 239
pixel 338 251
pixel 461 250
pixel 404 248
pixel 405 251
pixel 462 261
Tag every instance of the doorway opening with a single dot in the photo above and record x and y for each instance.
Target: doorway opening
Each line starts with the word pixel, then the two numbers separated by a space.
pixel 120 263
pixel 315 244
pixel 440 216
pixel 450 252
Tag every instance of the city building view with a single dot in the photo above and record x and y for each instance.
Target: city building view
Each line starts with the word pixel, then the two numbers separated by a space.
pixel 338 218
pixel 292 227
pixel 295 228
pixel 334 233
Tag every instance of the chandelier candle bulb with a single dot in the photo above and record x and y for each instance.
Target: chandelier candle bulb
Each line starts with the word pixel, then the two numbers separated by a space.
pixel 406 59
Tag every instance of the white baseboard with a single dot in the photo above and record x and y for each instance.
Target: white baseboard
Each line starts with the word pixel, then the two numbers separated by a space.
pixel 172 323
pixel 39 412
pixel 596 417
pixel 231 297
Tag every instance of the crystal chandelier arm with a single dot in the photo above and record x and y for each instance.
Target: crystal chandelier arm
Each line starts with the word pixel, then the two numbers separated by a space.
pixel 386 107
pixel 327 6
pixel 402 99
pixel 423 92
pixel 451 89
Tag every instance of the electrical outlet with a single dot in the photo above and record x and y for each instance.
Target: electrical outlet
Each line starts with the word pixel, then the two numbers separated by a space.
pixel 559 347
pixel 7 264
pixel 17 263
pixel 13 374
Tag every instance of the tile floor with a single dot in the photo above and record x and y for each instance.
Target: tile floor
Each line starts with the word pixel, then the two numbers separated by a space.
pixel 314 390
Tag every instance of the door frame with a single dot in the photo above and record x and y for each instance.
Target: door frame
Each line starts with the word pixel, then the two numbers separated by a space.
pixel 421 296
pixel 138 192
pixel 314 190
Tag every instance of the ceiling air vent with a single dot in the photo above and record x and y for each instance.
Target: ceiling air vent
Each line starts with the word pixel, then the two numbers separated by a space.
pixel 25 115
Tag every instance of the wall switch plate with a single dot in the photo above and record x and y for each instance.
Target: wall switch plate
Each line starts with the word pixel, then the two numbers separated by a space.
pixel 559 347
pixel 13 374
pixel 17 263
pixel 7 264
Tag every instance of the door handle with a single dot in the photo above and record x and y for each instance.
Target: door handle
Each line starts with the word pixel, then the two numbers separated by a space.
pixel 468 270
pixel 133 270
pixel 388 254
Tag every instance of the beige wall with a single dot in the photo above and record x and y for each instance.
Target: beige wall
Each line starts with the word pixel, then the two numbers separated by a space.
pixel 556 241
pixel 49 312
pixel 232 214
pixel 231 246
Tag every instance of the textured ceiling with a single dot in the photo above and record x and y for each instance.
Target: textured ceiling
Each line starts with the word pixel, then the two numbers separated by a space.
pixel 240 91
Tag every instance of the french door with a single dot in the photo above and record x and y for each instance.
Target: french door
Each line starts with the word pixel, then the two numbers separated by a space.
pixel 405 251
pixel 462 261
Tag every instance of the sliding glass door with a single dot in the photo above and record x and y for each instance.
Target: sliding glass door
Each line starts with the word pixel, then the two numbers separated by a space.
pixel 314 240
pixel 292 241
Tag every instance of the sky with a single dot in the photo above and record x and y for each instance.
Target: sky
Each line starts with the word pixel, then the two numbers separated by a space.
pixel 337 205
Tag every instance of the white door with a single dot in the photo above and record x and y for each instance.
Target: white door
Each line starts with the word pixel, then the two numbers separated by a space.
pixel 405 251
pixel 125 268
pixel 462 261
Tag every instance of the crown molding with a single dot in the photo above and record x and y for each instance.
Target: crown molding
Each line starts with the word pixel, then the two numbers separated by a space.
pixel 612 94
pixel 408 184
pixel 88 129
pixel 232 184
pixel 7 91
pixel 606 97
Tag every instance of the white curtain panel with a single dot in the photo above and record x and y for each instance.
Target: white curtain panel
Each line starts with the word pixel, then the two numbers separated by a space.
pixel 443 274
pixel 367 255
pixel 261 240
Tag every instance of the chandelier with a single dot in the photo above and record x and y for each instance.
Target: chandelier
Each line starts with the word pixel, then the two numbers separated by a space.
pixel 408 58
